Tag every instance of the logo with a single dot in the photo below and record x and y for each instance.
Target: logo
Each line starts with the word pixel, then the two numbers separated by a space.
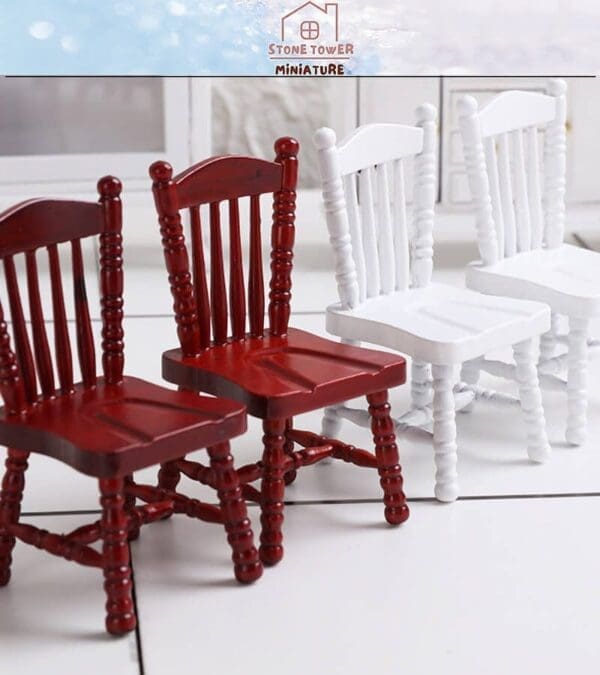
pixel 310 33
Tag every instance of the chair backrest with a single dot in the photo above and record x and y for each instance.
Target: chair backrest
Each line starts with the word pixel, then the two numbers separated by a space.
pixel 365 205
pixel 48 223
pixel 228 178
pixel 518 206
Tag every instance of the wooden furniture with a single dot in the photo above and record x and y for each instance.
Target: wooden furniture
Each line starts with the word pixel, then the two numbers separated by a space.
pixel 105 426
pixel 520 219
pixel 387 296
pixel 277 372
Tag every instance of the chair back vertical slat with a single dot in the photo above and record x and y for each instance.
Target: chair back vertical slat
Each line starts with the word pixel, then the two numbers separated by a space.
pixel 425 181
pixel 522 217
pixel 62 344
pixel 237 301
pixel 555 161
pixel 22 346
pixel 355 228
pixel 11 385
pixel 506 196
pixel 85 337
pixel 111 280
pixel 385 242
pixel 533 188
pixel 256 286
pixel 401 238
pixel 41 348
pixel 491 161
pixel 367 215
pixel 282 237
pixel 199 277
pixel 470 129
pixel 218 294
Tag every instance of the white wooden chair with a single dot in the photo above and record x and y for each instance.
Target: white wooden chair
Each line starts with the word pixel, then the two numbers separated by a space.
pixel 386 296
pixel 520 219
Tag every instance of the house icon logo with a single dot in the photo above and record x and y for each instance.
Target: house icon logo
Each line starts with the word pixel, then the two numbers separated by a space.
pixel 311 21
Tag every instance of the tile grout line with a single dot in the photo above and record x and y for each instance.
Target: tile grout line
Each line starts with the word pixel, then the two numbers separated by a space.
pixel 138 633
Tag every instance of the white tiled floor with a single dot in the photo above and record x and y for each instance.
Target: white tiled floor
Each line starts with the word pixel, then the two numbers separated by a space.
pixel 503 581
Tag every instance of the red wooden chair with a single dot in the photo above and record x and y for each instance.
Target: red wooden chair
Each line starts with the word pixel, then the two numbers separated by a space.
pixel 279 372
pixel 107 426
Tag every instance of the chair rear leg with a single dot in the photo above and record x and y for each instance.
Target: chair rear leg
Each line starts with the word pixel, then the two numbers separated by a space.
pixel 290 476
pixel 272 492
pixel 469 374
pixel 577 381
pixel 120 613
pixel 13 484
pixel 332 422
pixel 388 461
pixel 444 434
pixel 130 506
pixel 168 476
pixel 419 384
pixel 538 448
pixel 246 563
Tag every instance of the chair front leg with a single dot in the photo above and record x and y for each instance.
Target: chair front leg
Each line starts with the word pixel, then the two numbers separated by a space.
pixel 538 448
pixel 577 381
pixel 247 566
pixel 13 484
pixel 388 461
pixel 444 435
pixel 272 492
pixel 120 613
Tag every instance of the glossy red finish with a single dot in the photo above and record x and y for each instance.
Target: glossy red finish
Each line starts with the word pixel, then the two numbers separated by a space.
pixel 105 426
pixel 277 373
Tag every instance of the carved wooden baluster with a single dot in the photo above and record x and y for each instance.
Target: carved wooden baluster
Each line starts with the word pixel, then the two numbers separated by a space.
pixel 344 229
pixel 11 495
pixel 522 216
pixel 256 289
pixel 506 196
pixel 577 380
pixel 22 346
pixel 176 257
pixel 111 280
pixel 41 349
pixel 62 345
pixel 555 162
pixel 533 188
pixel 218 294
pixel 282 237
pixel 85 337
pixel 424 197
pixel 11 386
pixel 401 239
pixel 199 268
pixel 367 214
pixel 356 235
pixel 386 235
pixel 478 179
pixel 491 160
pixel 237 302
pixel 444 434
pixel 272 491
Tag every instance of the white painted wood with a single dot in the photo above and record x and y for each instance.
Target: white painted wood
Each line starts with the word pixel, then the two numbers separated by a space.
pixel 555 153
pixel 478 179
pixel 491 160
pixel 331 423
pixel 577 381
pixel 356 236
pixel 469 375
pixel 515 110
pixel 401 242
pixel 424 197
pixel 533 188
pixel 538 448
pixel 549 339
pixel 506 196
pixel 444 435
pixel 420 384
pixel 386 236
pixel 522 218
pixel 367 214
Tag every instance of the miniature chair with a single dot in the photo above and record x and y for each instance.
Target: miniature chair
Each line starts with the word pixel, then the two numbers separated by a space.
pixel 520 230
pixel 277 372
pixel 386 295
pixel 104 426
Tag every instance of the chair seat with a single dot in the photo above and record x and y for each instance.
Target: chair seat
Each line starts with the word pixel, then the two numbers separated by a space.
pixel 112 430
pixel 567 278
pixel 279 377
pixel 440 324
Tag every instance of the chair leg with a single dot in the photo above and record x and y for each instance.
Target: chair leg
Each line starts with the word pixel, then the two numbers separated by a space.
pixel 469 374
pixel 419 384
pixel 13 484
pixel 247 566
pixel 272 491
pixel 388 461
pixel 288 448
pixel 548 340
pixel 168 476
pixel 444 435
pixel 577 381
pixel 538 448
pixel 120 613
pixel 332 422
pixel 129 506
